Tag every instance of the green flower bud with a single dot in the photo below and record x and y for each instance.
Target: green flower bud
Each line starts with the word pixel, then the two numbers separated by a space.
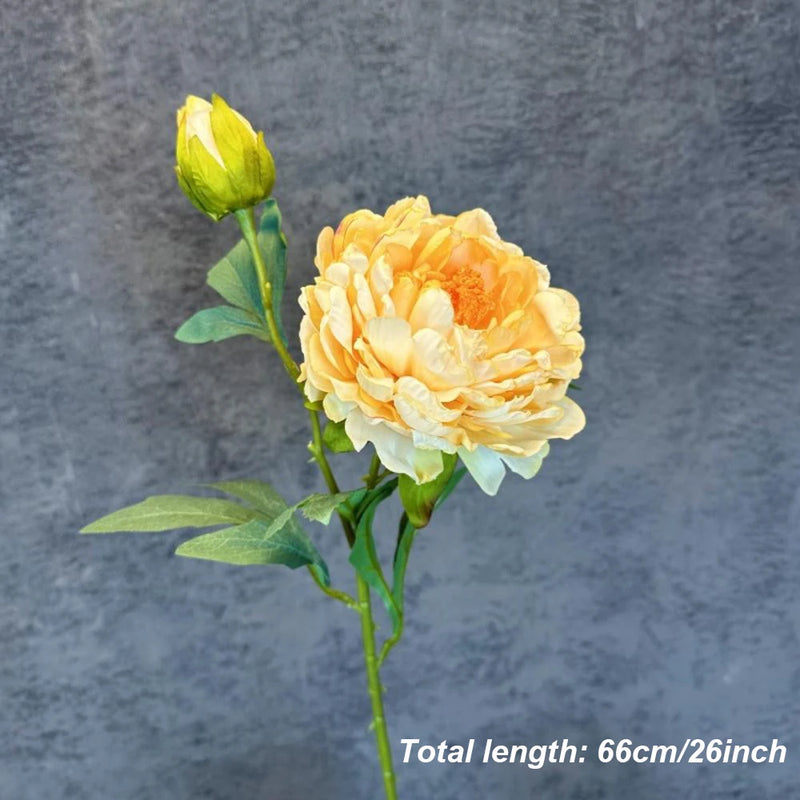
pixel 223 164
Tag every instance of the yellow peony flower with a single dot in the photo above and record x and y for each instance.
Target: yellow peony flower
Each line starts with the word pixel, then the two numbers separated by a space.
pixel 428 333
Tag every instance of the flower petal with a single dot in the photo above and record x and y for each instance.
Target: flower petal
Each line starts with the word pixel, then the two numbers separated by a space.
pixel 340 318
pixel 485 466
pixel 381 389
pixel 390 339
pixel 527 466
pixel 476 223
pixel 395 450
pixel 433 309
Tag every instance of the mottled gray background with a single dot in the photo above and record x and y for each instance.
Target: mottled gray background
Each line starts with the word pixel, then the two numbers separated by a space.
pixel 645 585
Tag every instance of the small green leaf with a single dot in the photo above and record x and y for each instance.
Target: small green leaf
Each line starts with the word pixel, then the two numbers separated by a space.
pixel 167 511
pixel 419 499
pixel 336 439
pixel 320 507
pixel 364 557
pixel 574 386
pixel 258 494
pixel 221 322
pixel 282 541
pixel 235 278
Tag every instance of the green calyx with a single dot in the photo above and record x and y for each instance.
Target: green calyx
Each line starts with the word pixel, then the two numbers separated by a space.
pixel 419 499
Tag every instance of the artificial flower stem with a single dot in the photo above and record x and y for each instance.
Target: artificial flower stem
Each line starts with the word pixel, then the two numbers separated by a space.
pixel 375 689
pixel 247 222
pixel 246 218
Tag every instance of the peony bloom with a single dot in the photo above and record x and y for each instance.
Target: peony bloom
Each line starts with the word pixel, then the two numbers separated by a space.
pixel 222 163
pixel 428 333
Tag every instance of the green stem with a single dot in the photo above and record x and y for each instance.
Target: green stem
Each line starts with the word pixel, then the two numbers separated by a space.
pixel 375 689
pixel 246 218
pixel 247 222
pixel 373 477
pixel 318 451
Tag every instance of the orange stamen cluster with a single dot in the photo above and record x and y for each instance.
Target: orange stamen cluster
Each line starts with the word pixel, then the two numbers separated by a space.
pixel 473 305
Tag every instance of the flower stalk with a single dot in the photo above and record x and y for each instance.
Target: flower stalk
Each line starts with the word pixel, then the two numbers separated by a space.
pixel 363 604
pixel 373 662
pixel 247 222
pixel 246 218
pixel 375 689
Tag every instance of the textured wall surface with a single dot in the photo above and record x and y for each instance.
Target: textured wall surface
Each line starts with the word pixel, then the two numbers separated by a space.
pixel 644 585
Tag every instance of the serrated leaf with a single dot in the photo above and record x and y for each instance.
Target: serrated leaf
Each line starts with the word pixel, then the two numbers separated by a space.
pixel 259 542
pixel 258 494
pixel 364 557
pixel 219 323
pixel 336 439
pixel 167 511
pixel 419 499
pixel 320 507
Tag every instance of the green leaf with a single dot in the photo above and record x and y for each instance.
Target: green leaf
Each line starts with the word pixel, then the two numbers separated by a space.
pixel 235 278
pixel 281 541
pixel 405 539
pixel 273 246
pixel 221 322
pixel 258 494
pixel 167 511
pixel 364 558
pixel 336 439
pixel 419 499
pixel 320 507
pixel 316 507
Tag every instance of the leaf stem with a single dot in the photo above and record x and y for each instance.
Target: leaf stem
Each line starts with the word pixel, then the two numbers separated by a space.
pixel 375 689
pixel 342 597
pixel 246 218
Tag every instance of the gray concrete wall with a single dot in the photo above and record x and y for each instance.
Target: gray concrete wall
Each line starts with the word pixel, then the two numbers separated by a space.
pixel 645 585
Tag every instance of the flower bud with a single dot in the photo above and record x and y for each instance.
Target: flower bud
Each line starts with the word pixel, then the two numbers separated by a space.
pixel 223 164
